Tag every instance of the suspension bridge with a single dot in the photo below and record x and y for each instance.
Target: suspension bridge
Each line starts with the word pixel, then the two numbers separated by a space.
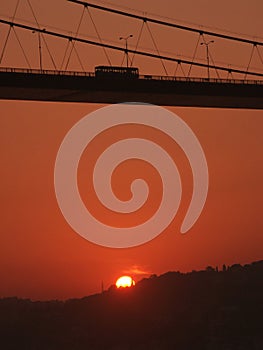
pixel 194 82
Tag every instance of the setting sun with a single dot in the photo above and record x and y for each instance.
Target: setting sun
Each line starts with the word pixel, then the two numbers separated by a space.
pixel 124 282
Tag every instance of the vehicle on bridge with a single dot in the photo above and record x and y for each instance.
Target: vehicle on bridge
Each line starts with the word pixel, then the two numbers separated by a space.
pixel 116 72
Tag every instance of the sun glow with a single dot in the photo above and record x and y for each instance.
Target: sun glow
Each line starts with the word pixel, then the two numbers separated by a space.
pixel 124 282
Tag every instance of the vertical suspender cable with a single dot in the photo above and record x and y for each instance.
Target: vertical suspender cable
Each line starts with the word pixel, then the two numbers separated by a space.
pixel 137 44
pixel 156 48
pixel 211 57
pixel 260 57
pixel 195 51
pixel 41 34
pixel 250 59
pixel 65 54
pixel 23 51
pixel 98 35
pixel 8 33
pixel 78 57
pixel 76 34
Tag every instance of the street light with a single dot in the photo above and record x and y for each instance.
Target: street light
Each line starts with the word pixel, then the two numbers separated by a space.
pixel 39 48
pixel 126 38
pixel 207 43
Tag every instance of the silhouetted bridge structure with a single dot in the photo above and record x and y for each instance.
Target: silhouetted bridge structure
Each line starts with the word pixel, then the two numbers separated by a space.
pixel 66 86
pixel 62 85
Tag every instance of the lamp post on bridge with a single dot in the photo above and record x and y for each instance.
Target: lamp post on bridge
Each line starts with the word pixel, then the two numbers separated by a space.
pixel 207 43
pixel 126 38
pixel 39 49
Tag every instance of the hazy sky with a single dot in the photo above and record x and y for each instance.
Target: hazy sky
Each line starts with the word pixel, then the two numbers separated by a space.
pixel 41 257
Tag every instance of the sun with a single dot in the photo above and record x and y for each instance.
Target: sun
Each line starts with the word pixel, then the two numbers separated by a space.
pixel 124 282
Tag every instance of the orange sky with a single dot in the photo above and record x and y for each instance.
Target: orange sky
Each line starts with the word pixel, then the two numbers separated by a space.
pixel 41 256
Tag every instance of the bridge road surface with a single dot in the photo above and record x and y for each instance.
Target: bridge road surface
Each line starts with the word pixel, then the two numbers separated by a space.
pixel 58 86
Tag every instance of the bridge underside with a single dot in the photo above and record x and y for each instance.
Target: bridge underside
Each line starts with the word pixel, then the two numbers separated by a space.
pixel 70 88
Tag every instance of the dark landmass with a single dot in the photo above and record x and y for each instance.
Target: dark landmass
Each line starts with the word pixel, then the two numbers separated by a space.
pixel 211 309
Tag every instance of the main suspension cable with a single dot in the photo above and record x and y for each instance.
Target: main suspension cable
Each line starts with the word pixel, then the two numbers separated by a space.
pixel 118 48
pixel 168 24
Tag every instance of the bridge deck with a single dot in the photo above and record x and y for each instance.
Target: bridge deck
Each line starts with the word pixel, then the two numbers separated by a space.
pixel 35 85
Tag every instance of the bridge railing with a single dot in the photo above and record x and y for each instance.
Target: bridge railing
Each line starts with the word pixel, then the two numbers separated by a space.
pixel 142 77
pixel 46 71
pixel 202 80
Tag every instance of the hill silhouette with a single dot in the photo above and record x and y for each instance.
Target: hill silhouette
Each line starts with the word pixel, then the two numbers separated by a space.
pixel 211 309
